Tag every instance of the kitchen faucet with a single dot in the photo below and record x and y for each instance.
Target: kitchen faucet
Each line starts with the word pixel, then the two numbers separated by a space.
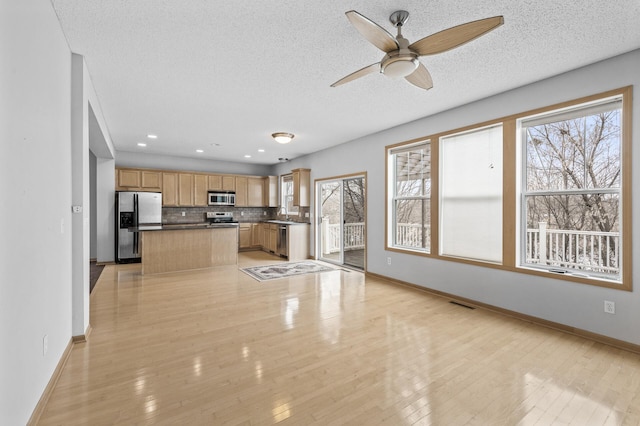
pixel 283 210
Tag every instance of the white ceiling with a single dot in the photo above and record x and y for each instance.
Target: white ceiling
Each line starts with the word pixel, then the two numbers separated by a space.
pixel 203 72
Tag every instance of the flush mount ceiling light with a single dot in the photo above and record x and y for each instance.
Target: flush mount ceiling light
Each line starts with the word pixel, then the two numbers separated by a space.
pixel 283 137
pixel 152 136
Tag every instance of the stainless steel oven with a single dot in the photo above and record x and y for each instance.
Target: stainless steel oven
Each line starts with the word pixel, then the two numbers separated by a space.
pixel 222 198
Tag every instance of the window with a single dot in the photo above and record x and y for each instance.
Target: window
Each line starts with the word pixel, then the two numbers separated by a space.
pixel 286 196
pixel 471 194
pixel 411 193
pixel 572 190
pixel 545 192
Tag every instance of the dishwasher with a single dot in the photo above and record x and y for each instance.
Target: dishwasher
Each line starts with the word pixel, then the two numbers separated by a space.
pixel 282 241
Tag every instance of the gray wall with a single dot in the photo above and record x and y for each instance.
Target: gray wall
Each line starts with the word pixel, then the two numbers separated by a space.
pixel 152 161
pixel 572 304
pixel 93 238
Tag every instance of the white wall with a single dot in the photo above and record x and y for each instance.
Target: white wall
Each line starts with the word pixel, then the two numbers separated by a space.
pixel 35 219
pixel 572 304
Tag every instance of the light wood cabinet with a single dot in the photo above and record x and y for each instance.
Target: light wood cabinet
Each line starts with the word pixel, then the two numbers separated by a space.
pixel 128 179
pixel 150 180
pixel 255 188
pixel 228 183
pixel 242 190
pixel 177 189
pixel 245 235
pixel 272 244
pixel 215 182
pixel 257 234
pixel 169 189
pixel 138 180
pixel 185 189
pixel 301 187
pixel 270 191
pixel 297 242
pixel 200 190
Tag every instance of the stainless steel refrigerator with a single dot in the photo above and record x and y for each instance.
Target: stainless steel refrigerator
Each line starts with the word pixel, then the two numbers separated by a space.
pixel 134 209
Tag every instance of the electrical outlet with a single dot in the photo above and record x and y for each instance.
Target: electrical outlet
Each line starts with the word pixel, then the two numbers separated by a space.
pixel 388 261
pixel 264 213
pixel 241 213
pixel 45 344
pixel 609 307
pixel 184 213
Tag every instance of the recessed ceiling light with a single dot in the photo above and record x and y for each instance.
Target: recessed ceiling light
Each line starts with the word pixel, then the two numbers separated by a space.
pixel 199 150
pixel 215 144
pixel 247 156
pixel 142 144
pixel 152 136
pixel 261 150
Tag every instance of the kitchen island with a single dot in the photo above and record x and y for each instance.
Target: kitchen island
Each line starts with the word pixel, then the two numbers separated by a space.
pixel 171 248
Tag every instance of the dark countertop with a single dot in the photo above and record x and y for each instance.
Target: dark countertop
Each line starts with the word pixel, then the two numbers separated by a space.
pixel 286 222
pixel 182 227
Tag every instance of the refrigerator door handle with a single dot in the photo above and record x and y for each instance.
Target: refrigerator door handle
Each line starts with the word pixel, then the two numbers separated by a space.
pixel 136 212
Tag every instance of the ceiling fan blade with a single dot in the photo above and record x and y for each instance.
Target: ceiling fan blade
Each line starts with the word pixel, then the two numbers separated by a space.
pixel 360 73
pixel 455 36
pixel 420 78
pixel 373 32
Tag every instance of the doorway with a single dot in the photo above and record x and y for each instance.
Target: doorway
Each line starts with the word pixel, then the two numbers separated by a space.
pixel 342 218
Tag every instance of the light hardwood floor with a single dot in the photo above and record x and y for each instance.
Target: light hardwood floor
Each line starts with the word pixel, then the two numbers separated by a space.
pixel 217 347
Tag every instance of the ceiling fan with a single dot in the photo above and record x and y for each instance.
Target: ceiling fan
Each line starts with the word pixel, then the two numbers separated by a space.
pixel 401 58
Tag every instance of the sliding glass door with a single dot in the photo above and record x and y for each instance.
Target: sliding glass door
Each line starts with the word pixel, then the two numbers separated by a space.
pixel 341 212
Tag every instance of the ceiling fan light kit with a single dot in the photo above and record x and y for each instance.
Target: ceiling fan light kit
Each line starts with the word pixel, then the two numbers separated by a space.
pixel 282 137
pixel 401 59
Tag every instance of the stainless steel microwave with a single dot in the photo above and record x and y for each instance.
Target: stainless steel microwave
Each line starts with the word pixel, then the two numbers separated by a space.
pixel 222 198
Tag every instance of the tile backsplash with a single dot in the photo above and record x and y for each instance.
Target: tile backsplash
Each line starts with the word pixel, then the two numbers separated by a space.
pixel 241 214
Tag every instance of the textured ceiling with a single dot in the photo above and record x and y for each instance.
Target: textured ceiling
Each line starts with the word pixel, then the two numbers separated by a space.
pixel 221 76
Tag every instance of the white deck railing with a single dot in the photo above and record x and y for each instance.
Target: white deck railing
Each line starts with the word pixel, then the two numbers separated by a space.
pixel 583 250
pixel 353 237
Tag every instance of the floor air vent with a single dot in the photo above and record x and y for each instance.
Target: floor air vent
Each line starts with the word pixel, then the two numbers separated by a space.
pixel 461 304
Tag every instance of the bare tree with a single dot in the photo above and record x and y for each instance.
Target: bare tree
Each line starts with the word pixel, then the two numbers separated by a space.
pixel 574 159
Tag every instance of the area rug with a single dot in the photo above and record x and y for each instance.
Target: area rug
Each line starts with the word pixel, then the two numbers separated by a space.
pixel 282 270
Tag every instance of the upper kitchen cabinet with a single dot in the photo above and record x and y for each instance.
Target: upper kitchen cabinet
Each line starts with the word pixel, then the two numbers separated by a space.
pixel 169 189
pixel 249 191
pixel 301 187
pixel 138 180
pixel 270 191
pixel 242 190
pixel 228 183
pixel 150 180
pixel 200 190
pixel 177 189
pixel 185 189
pixel 128 179
pixel 255 189
pixel 215 182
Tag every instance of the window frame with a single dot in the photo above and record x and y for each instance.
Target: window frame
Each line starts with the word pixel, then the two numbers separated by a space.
pixel 511 198
pixel 284 179
pixel 391 158
pixel 574 111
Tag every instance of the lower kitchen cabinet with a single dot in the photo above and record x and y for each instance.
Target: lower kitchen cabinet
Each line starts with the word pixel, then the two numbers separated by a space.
pixel 297 242
pixel 257 234
pixel 272 243
pixel 245 235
